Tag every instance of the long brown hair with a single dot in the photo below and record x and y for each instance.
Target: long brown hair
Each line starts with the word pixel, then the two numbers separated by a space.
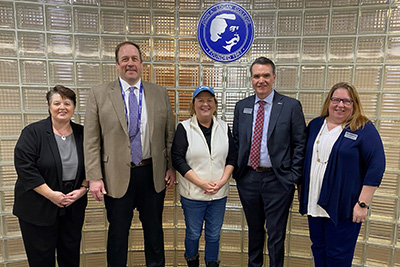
pixel 356 120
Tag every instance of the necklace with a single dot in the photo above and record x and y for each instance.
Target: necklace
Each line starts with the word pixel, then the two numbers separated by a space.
pixel 63 137
pixel 318 142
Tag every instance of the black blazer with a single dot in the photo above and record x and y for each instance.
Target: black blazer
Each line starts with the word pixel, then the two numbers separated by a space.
pixel 286 137
pixel 37 161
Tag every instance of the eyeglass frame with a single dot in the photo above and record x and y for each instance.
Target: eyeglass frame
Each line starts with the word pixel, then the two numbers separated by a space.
pixel 346 101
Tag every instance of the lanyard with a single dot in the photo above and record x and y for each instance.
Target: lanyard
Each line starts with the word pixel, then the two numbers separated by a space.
pixel 140 104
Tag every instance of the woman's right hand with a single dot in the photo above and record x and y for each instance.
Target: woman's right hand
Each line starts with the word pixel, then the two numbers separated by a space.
pixel 57 198
pixel 73 196
pixel 206 186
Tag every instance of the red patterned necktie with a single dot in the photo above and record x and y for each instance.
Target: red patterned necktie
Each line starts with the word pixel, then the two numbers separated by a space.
pixel 257 134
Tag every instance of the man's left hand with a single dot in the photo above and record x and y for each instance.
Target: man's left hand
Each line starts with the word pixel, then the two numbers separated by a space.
pixel 169 179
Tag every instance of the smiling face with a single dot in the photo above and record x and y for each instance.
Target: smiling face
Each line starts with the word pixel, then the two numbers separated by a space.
pixel 262 79
pixel 129 64
pixel 204 106
pixel 339 113
pixel 61 109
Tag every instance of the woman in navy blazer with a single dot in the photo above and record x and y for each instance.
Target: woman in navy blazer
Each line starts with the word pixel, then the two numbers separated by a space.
pixel 50 192
pixel 344 165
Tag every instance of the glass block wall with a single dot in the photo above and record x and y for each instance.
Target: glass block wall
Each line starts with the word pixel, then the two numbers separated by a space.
pixel 315 43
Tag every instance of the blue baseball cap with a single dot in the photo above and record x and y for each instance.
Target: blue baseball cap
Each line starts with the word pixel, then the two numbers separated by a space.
pixel 202 89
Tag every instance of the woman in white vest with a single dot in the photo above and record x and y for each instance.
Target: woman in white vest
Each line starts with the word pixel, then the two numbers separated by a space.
pixel 204 154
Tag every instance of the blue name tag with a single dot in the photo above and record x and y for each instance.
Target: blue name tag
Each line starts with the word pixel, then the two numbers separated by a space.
pixel 351 136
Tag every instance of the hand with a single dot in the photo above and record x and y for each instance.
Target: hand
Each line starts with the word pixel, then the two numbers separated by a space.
pixel 169 179
pixel 216 186
pixel 207 186
pixel 57 198
pixel 97 189
pixel 359 214
pixel 73 196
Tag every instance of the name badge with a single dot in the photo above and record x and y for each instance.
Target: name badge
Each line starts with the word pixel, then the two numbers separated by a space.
pixel 351 136
pixel 247 110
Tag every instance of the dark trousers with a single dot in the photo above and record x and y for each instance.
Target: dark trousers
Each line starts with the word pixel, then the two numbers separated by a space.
pixel 41 242
pixel 142 196
pixel 265 203
pixel 333 245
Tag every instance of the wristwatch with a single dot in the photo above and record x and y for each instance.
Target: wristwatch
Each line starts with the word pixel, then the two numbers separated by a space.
pixel 362 204
pixel 86 187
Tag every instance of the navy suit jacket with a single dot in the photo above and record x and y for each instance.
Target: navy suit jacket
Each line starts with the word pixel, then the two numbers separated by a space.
pixel 286 137
pixel 37 161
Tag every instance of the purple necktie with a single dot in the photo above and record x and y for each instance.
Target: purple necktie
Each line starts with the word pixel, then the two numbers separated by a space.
pixel 134 128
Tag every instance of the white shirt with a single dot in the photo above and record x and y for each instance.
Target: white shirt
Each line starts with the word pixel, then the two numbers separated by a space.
pixel 326 140
pixel 144 127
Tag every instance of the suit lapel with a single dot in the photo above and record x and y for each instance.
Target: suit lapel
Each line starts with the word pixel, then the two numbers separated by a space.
pixel 248 120
pixel 151 100
pixel 119 105
pixel 54 150
pixel 79 150
pixel 277 105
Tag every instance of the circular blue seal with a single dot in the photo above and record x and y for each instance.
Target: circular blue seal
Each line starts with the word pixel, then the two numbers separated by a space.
pixel 225 32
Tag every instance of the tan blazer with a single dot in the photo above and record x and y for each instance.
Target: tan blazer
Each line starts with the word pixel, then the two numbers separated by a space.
pixel 106 138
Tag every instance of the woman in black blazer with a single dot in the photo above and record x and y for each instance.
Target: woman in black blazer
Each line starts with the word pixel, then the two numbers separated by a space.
pixel 50 192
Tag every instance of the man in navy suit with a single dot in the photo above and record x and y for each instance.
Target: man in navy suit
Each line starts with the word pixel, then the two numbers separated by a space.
pixel 270 144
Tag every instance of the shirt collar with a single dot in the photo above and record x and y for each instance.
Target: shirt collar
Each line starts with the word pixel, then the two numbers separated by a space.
pixel 126 86
pixel 268 99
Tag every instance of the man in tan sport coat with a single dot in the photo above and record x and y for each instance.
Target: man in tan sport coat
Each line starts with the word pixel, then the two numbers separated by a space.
pixel 109 168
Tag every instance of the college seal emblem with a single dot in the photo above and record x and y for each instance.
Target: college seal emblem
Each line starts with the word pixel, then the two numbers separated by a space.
pixel 225 32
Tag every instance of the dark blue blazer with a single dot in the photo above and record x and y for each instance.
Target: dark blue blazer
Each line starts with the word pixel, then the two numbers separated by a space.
pixel 357 158
pixel 286 137
pixel 37 161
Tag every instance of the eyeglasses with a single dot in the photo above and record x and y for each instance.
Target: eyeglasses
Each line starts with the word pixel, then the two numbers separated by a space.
pixel 346 101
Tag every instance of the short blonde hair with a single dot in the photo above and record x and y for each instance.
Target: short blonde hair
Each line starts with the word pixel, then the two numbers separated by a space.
pixel 356 120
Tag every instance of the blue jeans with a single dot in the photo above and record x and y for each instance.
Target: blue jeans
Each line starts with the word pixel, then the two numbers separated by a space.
pixel 196 212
